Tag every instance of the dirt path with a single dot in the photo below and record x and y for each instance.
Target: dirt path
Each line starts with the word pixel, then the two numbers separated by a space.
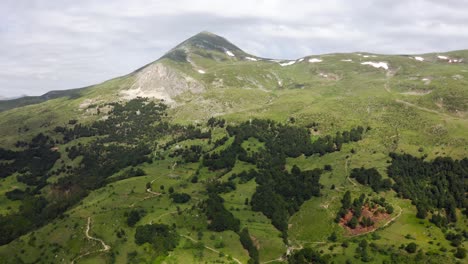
pixel 291 248
pixel 153 194
pixel 209 248
pixel 168 213
pixel 327 204
pixel 347 175
pixel 394 218
pixel 421 108
pixel 280 259
pixel 88 236
pixel 150 191
pixel 387 88
pixel 388 76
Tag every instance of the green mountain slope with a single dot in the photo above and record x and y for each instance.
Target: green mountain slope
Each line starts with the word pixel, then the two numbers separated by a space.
pixel 29 100
pixel 284 148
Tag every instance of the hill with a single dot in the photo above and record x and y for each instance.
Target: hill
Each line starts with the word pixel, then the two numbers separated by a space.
pixel 211 154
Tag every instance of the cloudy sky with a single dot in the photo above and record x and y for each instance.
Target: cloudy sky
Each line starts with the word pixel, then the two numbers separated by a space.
pixel 60 44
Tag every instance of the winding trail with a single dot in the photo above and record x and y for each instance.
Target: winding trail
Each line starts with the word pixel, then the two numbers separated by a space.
pixel 421 108
pixel 388 89
pixel 150 191
pixel 209 248
pixel 280 259
pixel 291 248
pixel 168 213
pixel 394 218
pixel 88 236
pixel 347 175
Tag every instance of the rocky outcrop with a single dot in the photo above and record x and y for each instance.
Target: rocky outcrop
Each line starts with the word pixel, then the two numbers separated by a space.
pixel 161 82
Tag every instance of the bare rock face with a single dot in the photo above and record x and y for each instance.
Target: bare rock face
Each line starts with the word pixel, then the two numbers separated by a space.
pixel 161 82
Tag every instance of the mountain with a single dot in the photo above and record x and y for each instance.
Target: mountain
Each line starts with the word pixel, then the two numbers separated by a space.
pixel 213 155
pixel 156 79
pixel 202 44
pixel 8 104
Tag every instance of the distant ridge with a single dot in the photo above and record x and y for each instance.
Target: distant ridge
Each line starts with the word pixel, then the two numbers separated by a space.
pixel 8 103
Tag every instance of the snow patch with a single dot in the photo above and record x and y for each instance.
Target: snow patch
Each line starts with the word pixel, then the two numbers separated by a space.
pixel 442 57
pixel 314 60
pixel 377 65
pixel 250 59
pixel 419 58
pixel 301 59
pixel 287 63
pixel 455 60
pixel 426 80
pixel 348 60
pixel 229 53
pixel 201 71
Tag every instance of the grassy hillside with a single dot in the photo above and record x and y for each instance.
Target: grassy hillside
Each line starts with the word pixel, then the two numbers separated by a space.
pixel 413 106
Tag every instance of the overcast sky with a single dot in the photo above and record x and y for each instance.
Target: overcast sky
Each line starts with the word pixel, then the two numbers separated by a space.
pixel 60 44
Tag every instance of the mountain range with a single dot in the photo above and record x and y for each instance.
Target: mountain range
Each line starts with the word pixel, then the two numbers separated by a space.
pixel 213 155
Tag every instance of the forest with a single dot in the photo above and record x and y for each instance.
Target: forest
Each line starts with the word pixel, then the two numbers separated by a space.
pixel 103 157
pixel 438 186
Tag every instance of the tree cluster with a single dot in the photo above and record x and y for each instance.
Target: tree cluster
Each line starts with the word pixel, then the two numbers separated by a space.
pixel 248 244
pixel 188 154
pixel 180 197
pixel 306 256
pixel 226 159
pixel 160 236
pixel 32 163
pixel 356 207
pixel 280 193
pixel 220 218
pixel 134 216
pixel 215 122
pixel 372 178
pixel 439 184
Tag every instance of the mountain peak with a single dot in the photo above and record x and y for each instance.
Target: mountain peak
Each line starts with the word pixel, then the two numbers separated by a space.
pixel 210 41
pixel 205 41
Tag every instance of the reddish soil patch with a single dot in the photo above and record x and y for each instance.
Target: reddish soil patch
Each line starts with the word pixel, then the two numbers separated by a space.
pixel 373 213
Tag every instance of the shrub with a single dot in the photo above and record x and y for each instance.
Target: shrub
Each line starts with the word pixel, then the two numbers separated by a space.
pixel 411 247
